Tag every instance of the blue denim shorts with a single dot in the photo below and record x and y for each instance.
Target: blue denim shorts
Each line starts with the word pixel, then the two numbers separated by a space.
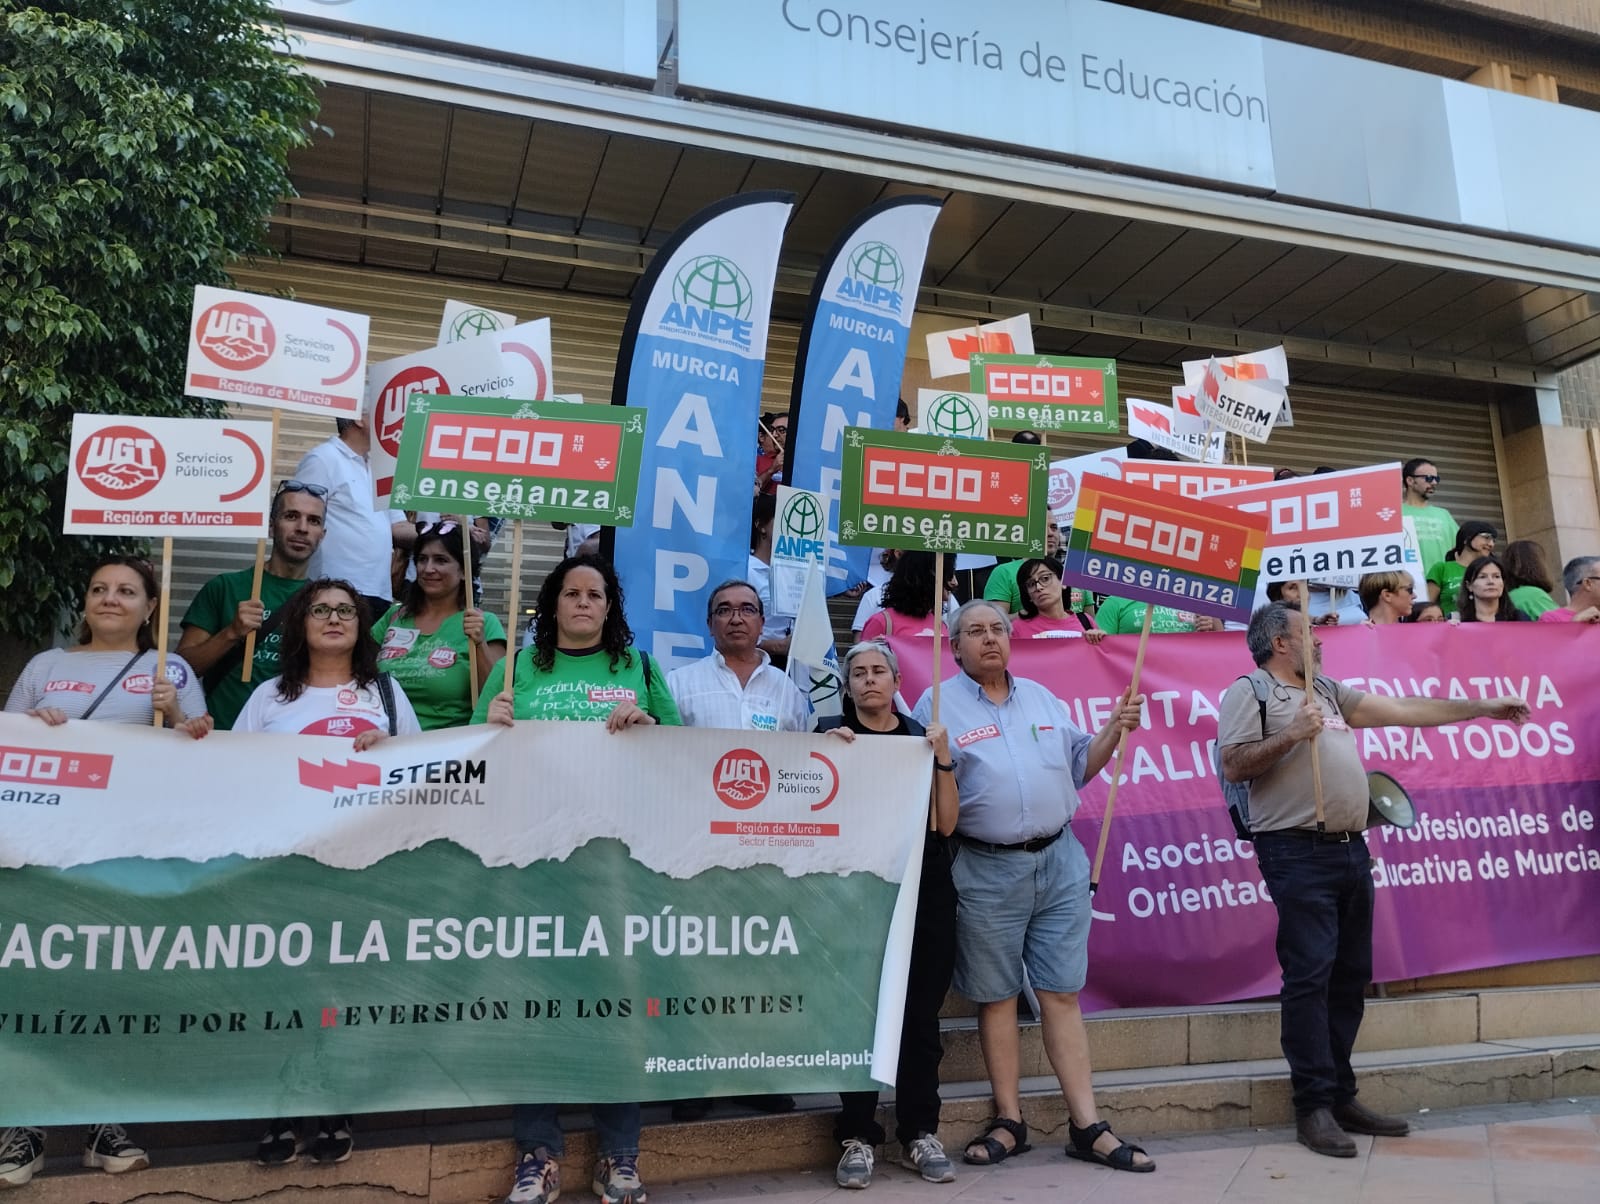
pixel 1014 909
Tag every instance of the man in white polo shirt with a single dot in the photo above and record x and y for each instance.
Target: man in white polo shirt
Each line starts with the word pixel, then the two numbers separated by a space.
pixel 360 541
pixel 738 686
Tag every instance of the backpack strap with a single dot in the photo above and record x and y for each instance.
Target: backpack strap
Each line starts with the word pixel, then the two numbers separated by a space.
pixel 385 685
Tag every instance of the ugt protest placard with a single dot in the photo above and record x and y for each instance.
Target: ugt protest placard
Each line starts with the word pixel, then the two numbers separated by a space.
pixel 1047 392
pixel 948 495
pixel 1335 522
pixel 168 476
pixel 506 363
pixel 1164 548
pixel 272 352
pixel 520 459
pixel 1243 407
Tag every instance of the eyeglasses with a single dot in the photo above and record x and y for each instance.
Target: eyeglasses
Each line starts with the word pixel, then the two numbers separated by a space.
pixel 1587 581
pixel 428 528
pixel 302 487
pixel 995 629
pixel 1431 477
pixel 1041 579
pixel 727 610
pixel 322 611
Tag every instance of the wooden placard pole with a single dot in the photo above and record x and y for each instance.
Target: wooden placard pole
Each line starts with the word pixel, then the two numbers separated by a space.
pixel 466 587
pixel 514 633
pixel 1122 748
pixel 261 564
pixel 161 619
pixel 1309 665
pixel 938 656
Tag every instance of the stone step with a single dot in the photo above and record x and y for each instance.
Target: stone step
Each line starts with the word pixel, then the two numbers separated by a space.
pixel 1157 1071
pixel 467 1162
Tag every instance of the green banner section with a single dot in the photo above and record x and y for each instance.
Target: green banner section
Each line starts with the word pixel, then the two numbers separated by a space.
pixel 550 461
pixel 943 494
pixel 1047 392
pixel 166 990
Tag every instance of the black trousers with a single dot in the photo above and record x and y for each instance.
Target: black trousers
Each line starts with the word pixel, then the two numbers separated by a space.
pixel 933 960
pixel 1324 896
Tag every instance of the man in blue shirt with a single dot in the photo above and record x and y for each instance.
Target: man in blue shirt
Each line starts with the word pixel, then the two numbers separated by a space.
pixel 1022 878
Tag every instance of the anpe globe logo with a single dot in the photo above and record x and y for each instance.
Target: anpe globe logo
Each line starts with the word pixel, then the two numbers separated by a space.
pixel 712 296
pixel 874 276
pixel 472 323
pixel 955 415
pixel 802 517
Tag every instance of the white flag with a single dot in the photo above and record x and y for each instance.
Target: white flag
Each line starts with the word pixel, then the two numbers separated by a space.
pixel 813 663
pixel 948 349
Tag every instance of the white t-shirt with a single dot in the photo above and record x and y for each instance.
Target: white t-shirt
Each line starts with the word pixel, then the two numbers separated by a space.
pixel 326 711
pixel 71 681
pixel 360 540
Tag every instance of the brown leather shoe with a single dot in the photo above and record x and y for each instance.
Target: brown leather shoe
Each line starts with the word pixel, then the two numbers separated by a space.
pixel 1356 1117
pixel 1321 1134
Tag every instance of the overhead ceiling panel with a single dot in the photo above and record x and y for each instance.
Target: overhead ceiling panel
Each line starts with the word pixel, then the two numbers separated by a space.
pixel 821 215
pixel 1116 260
pixel 1017 234
pixel 1150 289
pixel 1060 254
pixel 1256 295
pixel 484 164
pixel 699 177
pixel 628 188
pixel 1326 291
pixel 558 176
pixel 334 163
pixel 406 152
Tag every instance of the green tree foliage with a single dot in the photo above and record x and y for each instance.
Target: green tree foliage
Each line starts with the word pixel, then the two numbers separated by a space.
pixel 143 144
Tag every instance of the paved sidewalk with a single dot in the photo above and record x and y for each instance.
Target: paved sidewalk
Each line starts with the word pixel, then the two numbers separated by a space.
pixel 1544 1153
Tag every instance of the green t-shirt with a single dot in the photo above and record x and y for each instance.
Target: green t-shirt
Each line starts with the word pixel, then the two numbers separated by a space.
pixel 1003 587
pixel 1124 616
pixel 582 687
pixel 213 609
pixel 1436 531
pixel 434 670
pixel 1532 601
pixel 1448 576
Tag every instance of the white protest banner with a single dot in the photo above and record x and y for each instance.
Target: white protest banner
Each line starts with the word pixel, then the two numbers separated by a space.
pixel 1243 407
pixel 1154 423
pixel 272 352
pixel 948 350
pixel 1324 525
pixel 509 363
pixel 462 321
pixel 1192 480
pixel 1271 365
pixel 799 540
pixel 954 415
pixel 1066 478
pixel 1413 565
pixel 168 476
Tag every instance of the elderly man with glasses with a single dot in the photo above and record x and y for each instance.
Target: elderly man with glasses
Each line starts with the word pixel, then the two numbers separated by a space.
pixel 1022 878
pixel 226 610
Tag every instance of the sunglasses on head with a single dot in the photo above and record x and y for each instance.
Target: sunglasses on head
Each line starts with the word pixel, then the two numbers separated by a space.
pixel 443 528
pixel 302 487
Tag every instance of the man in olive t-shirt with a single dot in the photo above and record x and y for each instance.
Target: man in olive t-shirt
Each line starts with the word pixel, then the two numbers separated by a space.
pixel 223 613
pixel 1320 880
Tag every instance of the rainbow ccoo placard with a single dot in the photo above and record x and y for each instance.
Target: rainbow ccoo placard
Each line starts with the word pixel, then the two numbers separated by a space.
pixel 1158 547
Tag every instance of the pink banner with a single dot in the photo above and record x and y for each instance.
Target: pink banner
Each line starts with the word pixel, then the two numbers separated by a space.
pixel 1502 867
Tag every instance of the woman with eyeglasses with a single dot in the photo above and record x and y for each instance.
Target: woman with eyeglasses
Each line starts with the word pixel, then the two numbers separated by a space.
pixel 426 638
pixel 1484 597
pixel 1473 540
pixel 582 667
pixel 1043 614
pixel 1387 597
pixel 330 684
pixel 106 677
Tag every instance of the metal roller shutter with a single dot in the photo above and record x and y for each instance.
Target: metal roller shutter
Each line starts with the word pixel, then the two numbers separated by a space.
pixel 1340 429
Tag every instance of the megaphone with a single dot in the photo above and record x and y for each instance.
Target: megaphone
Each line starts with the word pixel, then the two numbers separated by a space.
pixel 1388 803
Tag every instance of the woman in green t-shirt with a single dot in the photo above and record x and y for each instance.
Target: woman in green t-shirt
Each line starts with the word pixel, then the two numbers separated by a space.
pixel 1528 578
pixel 428 638
pixel 582 667
pixel 1473 539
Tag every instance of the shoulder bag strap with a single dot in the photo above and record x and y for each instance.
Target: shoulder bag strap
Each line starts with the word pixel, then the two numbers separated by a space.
pixel 385 685
pixel 106 689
